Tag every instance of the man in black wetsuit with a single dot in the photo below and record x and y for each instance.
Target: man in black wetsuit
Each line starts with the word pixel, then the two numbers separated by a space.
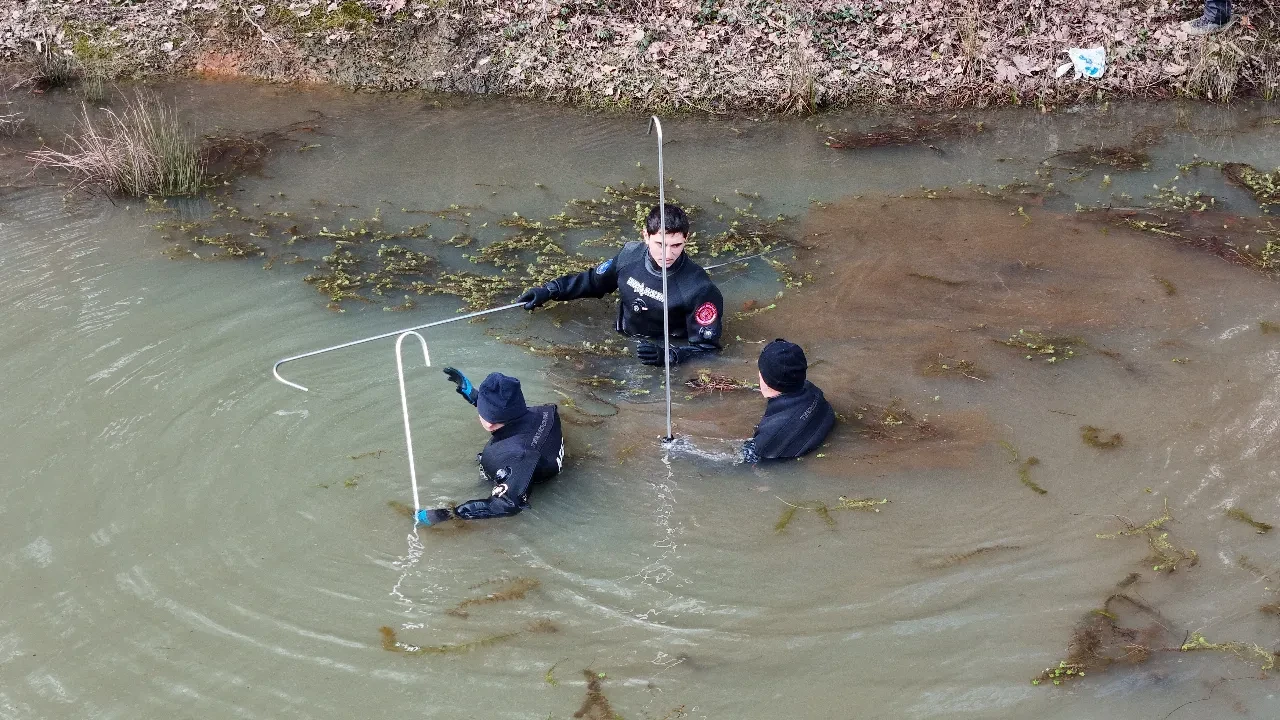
pixel 526 447
pixel 696 306
pixel 797 417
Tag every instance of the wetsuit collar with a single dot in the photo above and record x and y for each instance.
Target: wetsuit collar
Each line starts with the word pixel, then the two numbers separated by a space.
pixel 512 428
pixel 653 268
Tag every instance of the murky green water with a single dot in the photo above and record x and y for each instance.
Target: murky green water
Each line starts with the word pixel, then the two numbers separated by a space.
pixel 182 536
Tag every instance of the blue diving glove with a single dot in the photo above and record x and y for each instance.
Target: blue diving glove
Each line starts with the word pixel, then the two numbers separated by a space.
pixel 465 388
pixel 431 517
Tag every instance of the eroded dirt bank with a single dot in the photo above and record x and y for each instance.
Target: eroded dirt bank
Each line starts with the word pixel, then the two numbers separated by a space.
pixel 707 55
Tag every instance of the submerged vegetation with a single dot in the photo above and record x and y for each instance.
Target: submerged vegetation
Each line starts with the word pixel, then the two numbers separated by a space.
pixel 1092 437
pixel 391 643
pixel 905 132
pixel 595 706
pixel 513 589
pixel 823 511
pixel 1244 517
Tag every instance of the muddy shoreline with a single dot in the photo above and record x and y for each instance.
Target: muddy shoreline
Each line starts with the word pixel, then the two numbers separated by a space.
pixel 716 56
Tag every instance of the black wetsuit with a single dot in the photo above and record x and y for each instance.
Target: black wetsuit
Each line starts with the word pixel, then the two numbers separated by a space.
pixel 696 305
pixel 521 452
pixel 793 424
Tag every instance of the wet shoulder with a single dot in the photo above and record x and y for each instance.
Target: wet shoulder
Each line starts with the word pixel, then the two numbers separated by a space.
pixel 631 253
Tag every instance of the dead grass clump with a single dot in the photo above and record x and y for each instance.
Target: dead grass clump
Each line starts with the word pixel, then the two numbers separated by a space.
pixel 893 422
pixel 708 382
pixel 910 131
pixel 1051 349
pixel 941 365
pixel 1092 437
pixel 10 122
pixel 1100 639
pixel 143 150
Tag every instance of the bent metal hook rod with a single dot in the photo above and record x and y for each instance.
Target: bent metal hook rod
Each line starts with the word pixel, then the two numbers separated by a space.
pixel 666 312
pixel 275 369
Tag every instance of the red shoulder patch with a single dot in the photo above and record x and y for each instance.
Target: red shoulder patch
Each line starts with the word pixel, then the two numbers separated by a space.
pixel 706 313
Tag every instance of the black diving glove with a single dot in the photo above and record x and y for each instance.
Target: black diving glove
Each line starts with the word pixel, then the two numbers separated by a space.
pixel 651 354
pixel 535 297
pixel 465 388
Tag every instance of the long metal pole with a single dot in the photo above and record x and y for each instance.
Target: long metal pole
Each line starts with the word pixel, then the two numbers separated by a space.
pixel 275 368
pixel 666 311
pixel 404 410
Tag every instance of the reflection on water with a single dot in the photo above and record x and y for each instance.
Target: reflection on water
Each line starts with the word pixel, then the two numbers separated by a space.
pixel 180 534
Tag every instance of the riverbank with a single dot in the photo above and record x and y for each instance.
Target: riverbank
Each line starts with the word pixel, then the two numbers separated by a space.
pixel 714 56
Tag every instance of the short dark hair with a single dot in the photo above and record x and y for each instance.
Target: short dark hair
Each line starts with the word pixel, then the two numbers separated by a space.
pixel 676 220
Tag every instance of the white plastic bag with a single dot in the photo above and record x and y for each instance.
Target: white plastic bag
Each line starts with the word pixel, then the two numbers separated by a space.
pixel 1088 62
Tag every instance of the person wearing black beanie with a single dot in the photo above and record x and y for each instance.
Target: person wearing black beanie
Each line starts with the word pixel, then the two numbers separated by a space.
pixel 526 446
pixel 797 417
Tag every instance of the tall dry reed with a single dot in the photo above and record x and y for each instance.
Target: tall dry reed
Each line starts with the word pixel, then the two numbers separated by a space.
pixel 145 149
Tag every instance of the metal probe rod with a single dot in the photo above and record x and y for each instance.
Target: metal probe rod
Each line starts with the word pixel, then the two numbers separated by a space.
pixel 666 312
pixel 275 368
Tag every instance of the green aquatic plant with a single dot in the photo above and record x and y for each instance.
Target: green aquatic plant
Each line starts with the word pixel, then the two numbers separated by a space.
pixel 1165 556
pixel 1092 437
pixel 786 275
pixel 513 589
pixel 752 309
pixel 1169 287
pixel 1244 517
pixel 1270 609
pixel 1024 474
pixel 1264 186
pixel 845 502
pixel 1268 328
pixel 1051 349
pixel 550 677
pixel 1255 654
pixel 1169 198
pixel 230 245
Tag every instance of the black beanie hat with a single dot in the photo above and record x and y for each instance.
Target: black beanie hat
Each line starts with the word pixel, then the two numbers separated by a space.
pixel 782 365
pixel 500 399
